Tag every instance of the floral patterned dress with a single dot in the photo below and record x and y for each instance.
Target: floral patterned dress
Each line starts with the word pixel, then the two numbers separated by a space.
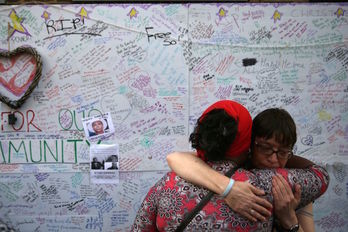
pixel 172 197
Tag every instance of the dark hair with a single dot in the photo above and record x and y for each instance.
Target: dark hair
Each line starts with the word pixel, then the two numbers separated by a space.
pixel 214 134
pixel 112 158
pixel 276 123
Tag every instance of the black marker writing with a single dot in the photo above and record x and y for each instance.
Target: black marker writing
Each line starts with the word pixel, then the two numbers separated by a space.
pixel 166 36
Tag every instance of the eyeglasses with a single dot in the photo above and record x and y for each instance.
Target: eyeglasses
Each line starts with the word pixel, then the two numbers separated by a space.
pixel 268 150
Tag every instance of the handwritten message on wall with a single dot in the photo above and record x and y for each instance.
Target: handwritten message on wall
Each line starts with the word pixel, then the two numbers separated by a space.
pixel 155 68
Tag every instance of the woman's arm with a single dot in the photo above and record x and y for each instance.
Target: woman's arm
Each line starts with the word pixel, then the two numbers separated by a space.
pixel 305 218
pixel 313 181
pixel 243 196
pixel 298 162
pixel 285 203
pixel 191 168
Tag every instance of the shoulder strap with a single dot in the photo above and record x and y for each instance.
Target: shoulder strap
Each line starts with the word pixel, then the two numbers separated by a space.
pixel 189 216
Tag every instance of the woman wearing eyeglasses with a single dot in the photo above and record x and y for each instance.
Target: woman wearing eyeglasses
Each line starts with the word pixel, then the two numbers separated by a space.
pixel 273 138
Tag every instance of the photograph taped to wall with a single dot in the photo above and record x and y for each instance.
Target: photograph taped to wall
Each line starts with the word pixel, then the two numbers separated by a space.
pixel 104 163
pixel 111 162
pixel 98 127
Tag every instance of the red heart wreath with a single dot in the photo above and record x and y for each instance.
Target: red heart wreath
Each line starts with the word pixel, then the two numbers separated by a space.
pixel 20 71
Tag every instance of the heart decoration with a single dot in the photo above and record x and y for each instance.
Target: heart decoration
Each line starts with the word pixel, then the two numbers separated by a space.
pixel 308 140
pixel 20 72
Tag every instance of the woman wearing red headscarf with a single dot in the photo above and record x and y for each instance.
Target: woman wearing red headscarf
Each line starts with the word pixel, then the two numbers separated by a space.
pixel 222 138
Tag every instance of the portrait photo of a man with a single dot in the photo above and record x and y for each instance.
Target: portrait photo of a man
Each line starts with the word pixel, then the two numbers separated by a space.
pixel 98 127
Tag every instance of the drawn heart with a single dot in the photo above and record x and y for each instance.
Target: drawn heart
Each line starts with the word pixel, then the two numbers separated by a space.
pixel 20 71
pixel 308 140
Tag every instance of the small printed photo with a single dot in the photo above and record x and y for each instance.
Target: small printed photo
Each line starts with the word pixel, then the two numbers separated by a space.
pixel 97 163
pixel 104 163
pixel 111 162
pixel 98 127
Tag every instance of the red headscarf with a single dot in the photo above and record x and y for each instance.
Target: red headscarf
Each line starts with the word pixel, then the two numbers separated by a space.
pixel 241 143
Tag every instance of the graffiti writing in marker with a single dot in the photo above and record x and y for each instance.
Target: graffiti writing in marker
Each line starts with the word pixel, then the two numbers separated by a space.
pixel 167 41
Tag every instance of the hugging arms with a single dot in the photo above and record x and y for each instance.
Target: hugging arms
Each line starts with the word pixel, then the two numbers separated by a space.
pixel 222 138
pixel 272 140
pixel 313 181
